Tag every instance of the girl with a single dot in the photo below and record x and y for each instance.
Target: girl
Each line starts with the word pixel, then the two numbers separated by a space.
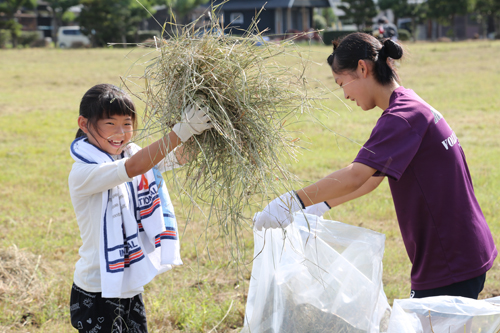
pixel 444 231
pixel 123 210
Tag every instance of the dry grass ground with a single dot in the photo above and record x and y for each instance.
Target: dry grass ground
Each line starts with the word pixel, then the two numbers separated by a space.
pixel 40 92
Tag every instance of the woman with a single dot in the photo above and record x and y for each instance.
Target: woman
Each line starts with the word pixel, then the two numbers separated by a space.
pixel 444 230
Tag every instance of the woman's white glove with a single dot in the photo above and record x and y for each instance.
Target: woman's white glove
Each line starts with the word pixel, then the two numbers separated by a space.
pixel 193 122
pixel 317 209
pixel 279 212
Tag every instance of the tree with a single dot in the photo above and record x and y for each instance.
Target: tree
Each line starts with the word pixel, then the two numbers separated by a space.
pixel 9 8
pixel 180 8
pixel 485 9
pixel 418 14
pixel 109 21
pixel 416 10
pixel 445 11
pixel 324 18
pixel 329 15
pixel 400 8
pixel 319 22
pixel 183 7
pixel 496 15
pixel 59 8
pixel 360 12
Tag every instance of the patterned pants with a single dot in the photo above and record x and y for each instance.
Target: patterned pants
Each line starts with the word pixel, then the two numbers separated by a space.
pixel 90 313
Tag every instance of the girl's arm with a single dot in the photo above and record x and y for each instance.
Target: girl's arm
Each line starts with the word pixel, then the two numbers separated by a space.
pixel 366 188
pixel 181 157
pixel 338 184
pixel 148 157
pixel 194 121
pixel 173 160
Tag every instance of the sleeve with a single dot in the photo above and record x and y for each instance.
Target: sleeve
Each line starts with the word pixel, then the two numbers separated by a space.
pixel 88 179
pixel 391 147
pixel 170 162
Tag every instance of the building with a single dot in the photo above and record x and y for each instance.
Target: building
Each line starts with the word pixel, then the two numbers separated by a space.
pixel 278 16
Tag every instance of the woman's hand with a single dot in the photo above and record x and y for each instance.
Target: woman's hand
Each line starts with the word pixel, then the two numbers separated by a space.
pixel 279 212
pixel 317 209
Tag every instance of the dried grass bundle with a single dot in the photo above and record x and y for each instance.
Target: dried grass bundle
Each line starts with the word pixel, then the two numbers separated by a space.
pixel 251 98
pixel 18 274
pixel 21 286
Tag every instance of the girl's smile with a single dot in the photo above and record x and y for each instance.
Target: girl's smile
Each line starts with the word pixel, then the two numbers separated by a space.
pixel 111 134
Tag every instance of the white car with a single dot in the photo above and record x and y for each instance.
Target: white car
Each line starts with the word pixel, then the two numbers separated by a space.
pixel 71 35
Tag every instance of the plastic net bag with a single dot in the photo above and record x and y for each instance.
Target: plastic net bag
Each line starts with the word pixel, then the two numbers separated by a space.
pixel 445 314
pixel 316 276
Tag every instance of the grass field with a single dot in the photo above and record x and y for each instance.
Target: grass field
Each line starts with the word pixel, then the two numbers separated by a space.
pixel 40 91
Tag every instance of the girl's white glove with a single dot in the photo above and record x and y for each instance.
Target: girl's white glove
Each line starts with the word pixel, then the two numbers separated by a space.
pixel 279 212
pixel 317 209
pixel 193 122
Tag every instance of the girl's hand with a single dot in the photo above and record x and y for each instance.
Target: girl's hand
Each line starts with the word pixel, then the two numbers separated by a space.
pixel 194 121
pixel 278 213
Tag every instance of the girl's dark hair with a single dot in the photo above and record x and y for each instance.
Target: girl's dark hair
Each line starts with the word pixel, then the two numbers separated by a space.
pixel 103 101
pixel 362 46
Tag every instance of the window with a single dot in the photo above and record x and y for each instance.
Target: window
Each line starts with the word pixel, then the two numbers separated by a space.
pixel 236 18
pixel 72 32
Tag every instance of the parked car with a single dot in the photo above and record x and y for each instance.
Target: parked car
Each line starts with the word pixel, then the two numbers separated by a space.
pixel 71 36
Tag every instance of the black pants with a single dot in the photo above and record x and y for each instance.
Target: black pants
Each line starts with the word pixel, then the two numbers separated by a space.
pixel 468 288
pixel 90 313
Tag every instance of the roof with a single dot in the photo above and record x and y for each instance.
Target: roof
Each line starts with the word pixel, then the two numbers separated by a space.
pixel 270 4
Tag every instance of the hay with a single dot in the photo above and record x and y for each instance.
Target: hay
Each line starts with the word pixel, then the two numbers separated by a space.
pixel 18 275
pixel 21 287
pixel 292 316
pixel 252 98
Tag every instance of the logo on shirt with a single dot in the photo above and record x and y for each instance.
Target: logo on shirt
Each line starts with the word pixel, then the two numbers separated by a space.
pixel 437 116
pixel 143 185
pixel 450 141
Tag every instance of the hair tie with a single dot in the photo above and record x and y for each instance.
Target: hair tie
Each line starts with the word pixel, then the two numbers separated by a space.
pixel 335 44
pixel 382 53
pixel 391 49
pixel 329 60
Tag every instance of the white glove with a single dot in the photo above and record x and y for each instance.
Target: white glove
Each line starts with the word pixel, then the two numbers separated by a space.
pixel 317 209
pixel 278 213
pixel 193 122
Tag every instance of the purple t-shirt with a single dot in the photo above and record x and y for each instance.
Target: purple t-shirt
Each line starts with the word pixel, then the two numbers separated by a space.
pixel 443 228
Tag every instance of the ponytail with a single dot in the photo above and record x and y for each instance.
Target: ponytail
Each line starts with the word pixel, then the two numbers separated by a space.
pixel 80 133
pixel 361 46
pixel 384 69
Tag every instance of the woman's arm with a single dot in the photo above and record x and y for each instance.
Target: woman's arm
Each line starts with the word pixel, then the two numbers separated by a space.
pixel 322 207
pixel 344 182
pixel 366 188
pixel 336 185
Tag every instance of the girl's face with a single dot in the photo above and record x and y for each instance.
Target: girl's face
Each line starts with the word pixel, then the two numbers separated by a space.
pixel 111 135
pixel 357 86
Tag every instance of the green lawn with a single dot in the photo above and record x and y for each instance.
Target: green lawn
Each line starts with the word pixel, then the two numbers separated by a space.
pixel 40 91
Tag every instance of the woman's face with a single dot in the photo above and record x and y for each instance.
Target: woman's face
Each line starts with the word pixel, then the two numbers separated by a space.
pixel 356 88
pixel 112 134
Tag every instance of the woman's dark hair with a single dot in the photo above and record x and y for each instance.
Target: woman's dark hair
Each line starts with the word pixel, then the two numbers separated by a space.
pixel 103 101
pixel 362 46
